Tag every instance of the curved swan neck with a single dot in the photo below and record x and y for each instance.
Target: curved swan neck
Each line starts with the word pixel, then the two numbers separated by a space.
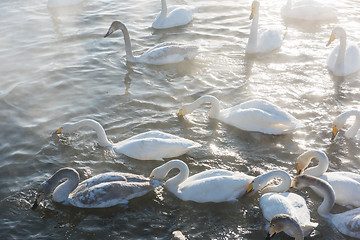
pixel 322 166
pixel 129 55
pixel 102 138
pixel 326 190
pixel 163 12
pixel 267 177
pixel 174 182
pixel 351 132
pixel 61 192
pixel 215 105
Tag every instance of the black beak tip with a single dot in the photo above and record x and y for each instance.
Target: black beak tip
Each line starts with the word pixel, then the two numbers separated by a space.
pixel 35 205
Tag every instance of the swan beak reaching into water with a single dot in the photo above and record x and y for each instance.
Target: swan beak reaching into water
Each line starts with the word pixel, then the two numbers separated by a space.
pixel 299 170
pixel 334 133
pixel 59 131
pixel 38 199
pixel 250 188
pixel 332 38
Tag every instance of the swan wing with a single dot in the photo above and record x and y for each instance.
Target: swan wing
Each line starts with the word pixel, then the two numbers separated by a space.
pixel 111 193
pixel 269 40
pixel 169 53
pixel 154 134
pixel 309 10
pixel 352 58
pixel 348 222
pixel 155 148
pixel 260 116
pixel 176 16
pixel 215 188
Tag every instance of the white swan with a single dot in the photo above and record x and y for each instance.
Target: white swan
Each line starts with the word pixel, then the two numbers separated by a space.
pixel 276 201
pixel 62 3
pixel 254 115
pixel 348 222
pixel 261 41
pixel 215 185
pixel 345 184
pixel 283 222
pixel 340 121
pixel 172 16
pixel 310 10
pixel 344 59
pixel 100 191
pixel 152 145
pixel 164 53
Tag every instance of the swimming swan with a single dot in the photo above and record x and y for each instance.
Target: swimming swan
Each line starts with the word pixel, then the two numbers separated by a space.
pixel 340 121
pixel 283 222
pixel 346 222
pixel 261 41
pixel 310 10
pixel 254 115
pixel 172 16
pixel 344 59
pixel 215 185
pixel 164 53
pixel 151 145
pixel 276 201
pixel 101 191
pixel 345 184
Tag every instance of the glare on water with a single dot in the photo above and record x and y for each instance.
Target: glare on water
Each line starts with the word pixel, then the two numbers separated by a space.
pixel 56 66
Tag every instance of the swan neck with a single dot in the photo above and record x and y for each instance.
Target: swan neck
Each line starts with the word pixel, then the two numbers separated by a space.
pixel 215 105
pixel 342 48
pixel 62 191
pixel 297 231
pixel 282 187
pixel 329 198
pixel 323 163
pixel 163 12
pixel 101 135
pixel 183 174
pixel 351 132
pixel 252 42
pixel 129 55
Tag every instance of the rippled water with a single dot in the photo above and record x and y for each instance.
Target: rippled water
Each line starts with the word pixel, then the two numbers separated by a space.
pixel 57 67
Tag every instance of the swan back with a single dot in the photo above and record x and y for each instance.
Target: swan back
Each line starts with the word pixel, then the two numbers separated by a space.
pixel 310 10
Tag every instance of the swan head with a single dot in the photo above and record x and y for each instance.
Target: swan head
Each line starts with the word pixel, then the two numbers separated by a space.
pixel 115 25
pixel 44 190
pixel 158 173
pixel 184 110
pixel 279 223
pixel 257 184
pixel 65 128
pixel 254 8
pixel 338 123
pixel 337 32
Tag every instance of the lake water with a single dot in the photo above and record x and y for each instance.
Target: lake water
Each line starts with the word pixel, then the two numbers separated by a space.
pixel 56 67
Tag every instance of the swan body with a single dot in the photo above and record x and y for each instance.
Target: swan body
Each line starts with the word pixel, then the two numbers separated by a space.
pixel 284 222
pixel 340 121
pixel 209 186
pixel 62 3
pixel 346 185
pixel 344 59
pixel 254 115
pixel 277 201
pixel 261 41
pixel 165 53
pixel 348 222
pixel 172 16
pixel 100 191
pixel 310 10
pixel 151 145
